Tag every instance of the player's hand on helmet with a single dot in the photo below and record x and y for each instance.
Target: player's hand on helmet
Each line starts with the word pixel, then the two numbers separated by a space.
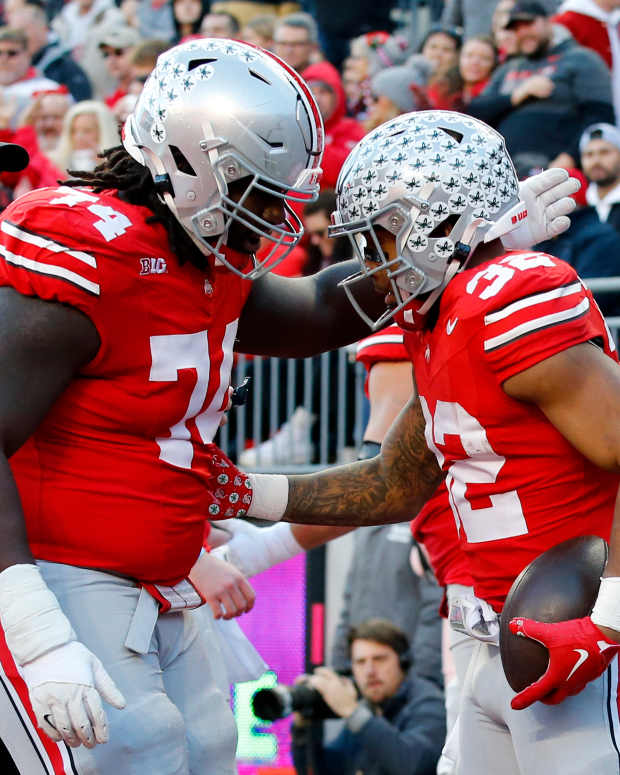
pixel 223 586
pixel 578 653
pixel 229 486
pixel 67 686
pixel 544 206
pixel 471 614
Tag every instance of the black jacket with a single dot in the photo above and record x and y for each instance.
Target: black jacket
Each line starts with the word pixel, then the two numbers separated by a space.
pixel 537 130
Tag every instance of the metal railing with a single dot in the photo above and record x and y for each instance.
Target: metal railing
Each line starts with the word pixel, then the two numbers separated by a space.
pixel 331 389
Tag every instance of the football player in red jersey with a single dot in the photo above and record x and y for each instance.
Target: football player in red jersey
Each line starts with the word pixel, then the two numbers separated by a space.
pixel 518 408
pixel 122 297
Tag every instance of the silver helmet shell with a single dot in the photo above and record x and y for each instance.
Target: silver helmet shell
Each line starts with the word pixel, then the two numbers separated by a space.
pixel 214 111
pixel 411 175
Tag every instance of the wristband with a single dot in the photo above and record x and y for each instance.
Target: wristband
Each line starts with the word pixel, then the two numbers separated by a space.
pixel 606 611
pixel 31 616
pixel 269 496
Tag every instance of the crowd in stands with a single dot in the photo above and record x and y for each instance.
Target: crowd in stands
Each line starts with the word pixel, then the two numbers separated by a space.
pixel 542 73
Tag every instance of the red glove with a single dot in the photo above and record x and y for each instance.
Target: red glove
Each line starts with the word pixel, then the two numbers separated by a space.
pixel 230 488
pixel 578 653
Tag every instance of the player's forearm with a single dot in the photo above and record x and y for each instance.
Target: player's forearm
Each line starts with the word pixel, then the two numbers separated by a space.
pixel 358 494
pixel 14 547
pixel 388 488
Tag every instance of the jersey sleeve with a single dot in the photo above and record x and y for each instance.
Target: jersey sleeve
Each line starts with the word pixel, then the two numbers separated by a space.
pixel 384 345
pixel 43 251
pixel 539 315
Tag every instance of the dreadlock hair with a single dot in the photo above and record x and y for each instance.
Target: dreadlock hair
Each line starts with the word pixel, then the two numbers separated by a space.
pixel 135 185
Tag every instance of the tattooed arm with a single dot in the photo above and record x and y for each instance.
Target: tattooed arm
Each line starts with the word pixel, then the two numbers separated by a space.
pixel 391 487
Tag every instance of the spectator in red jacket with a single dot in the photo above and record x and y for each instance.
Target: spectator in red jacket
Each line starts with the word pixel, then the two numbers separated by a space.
pixel 341 132
pixel 594 24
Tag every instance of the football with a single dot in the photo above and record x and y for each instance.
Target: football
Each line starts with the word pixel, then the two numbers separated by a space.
pixel 560 584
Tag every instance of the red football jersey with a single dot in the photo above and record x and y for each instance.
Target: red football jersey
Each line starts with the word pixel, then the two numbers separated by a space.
pixel 516 485
pixel 114 478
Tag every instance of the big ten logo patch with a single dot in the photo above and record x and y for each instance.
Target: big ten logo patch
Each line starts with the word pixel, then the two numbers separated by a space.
pixel 153 266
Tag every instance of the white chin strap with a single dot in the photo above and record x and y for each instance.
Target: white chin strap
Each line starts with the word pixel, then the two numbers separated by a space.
pixel 454 267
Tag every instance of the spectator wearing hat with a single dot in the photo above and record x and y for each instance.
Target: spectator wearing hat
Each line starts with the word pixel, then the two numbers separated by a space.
pixel 590 245
pixel 394 92
pixel 595 24
pixel 542 98
pixel 341 132
pixel 52 58
pixel 117 44
pixel 599 147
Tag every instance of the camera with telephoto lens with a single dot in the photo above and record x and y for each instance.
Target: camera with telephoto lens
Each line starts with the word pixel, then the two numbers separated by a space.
pixel 280 701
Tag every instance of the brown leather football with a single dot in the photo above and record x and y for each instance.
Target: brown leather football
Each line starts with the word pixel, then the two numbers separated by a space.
pixel 561 583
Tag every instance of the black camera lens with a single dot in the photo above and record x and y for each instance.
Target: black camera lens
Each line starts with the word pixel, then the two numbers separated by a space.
pixel 281 701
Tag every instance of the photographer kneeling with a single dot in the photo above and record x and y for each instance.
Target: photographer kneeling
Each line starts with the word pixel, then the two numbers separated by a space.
pixel 397 725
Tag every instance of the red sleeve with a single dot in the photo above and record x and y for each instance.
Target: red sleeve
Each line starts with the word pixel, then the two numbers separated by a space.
pixel 384 345
pixel 39 257
pixel 551 311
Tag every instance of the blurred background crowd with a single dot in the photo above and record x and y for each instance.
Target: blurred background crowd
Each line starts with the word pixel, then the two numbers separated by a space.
pixel 542 73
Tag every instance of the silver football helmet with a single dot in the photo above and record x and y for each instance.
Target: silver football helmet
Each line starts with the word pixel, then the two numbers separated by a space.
pixel 214 111
pixel 413 175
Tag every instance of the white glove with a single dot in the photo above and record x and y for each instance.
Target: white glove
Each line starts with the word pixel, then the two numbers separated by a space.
pixel 66 686
pixel 254 549
pixel 471 614
pixel 63 677
pixel 541 213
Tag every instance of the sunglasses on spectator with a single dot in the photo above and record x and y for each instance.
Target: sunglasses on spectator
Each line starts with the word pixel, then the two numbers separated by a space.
pixel 11 52
pixel 112 52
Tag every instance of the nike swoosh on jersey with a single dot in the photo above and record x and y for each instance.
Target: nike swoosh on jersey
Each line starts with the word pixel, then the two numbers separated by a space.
pixel 450 325
pixel 583 655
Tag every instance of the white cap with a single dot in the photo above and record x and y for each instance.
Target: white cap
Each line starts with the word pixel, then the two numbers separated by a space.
pixel 607 132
